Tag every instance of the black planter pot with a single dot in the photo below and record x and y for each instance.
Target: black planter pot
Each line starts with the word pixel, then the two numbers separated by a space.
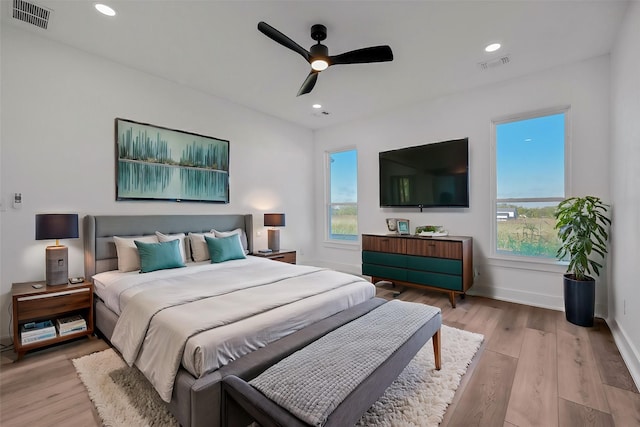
pixel 579 300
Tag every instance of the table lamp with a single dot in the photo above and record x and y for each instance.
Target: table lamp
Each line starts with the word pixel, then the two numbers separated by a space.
pixel 56 226
pixel 274 220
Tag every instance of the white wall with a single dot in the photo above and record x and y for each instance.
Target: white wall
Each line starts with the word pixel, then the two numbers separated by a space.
pixel 58 150
pixel 584 86
pixel 624 315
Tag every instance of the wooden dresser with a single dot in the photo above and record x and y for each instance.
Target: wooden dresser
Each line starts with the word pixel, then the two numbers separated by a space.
pixel 440 263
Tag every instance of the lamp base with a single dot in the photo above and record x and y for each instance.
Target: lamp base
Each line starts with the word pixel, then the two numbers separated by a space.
pixel 274 240
pixel 56 259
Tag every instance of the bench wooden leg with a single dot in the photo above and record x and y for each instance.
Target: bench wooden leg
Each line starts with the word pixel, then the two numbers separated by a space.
pixel 436 349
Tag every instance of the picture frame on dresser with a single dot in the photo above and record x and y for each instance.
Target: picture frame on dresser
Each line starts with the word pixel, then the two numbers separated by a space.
pixel 159 163
pixel 403 226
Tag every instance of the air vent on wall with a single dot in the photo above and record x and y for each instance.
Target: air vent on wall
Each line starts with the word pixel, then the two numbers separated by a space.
pixel 503 60
pixel 31 13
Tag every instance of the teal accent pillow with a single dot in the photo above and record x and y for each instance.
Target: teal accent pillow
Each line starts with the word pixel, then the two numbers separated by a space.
pixel 159 256
pixel 225 248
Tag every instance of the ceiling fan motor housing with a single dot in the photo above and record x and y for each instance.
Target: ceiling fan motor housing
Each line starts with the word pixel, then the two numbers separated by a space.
pixel 319 50
pixel 318 32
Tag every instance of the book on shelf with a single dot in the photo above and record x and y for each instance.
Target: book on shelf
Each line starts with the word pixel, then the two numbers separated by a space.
pixel 36 328
pixel 73 331
pixel 71 325
pixel 37 331
pixel 38 338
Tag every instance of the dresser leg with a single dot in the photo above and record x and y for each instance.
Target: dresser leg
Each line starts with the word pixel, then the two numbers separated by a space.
pixel 452 298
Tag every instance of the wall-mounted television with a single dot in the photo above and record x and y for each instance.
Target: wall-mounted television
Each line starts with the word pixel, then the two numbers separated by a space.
pixel 425 176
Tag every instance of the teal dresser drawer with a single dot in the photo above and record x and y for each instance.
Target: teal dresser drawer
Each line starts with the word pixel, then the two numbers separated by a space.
pixel 436 265
pixel 444 281
pixel 382 258
pixel 384 272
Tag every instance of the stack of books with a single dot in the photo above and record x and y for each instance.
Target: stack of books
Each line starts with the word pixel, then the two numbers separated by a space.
pixel 37 331
pixel 71 325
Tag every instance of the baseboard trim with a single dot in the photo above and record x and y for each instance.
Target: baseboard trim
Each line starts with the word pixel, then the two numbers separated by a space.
pixel 551 302
pixel 629 353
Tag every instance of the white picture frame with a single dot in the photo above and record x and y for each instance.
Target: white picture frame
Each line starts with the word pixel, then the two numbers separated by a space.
pixel 403 226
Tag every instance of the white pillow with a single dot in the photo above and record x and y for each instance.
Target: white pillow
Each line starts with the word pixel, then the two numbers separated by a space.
pixel 239 231
pixel 128 258
pixel 180 237
pixel 199 249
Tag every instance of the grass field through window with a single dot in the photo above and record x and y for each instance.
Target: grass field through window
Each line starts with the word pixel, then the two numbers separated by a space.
pixel 528 237
pixel 344 225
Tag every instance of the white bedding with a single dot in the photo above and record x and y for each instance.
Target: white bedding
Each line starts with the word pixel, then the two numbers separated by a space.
pixel 207 315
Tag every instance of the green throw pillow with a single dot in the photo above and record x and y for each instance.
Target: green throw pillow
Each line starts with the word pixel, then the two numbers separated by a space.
pixel 225 248
pixel 159 256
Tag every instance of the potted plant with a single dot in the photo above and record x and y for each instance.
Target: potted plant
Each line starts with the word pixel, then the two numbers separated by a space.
pixel 582 227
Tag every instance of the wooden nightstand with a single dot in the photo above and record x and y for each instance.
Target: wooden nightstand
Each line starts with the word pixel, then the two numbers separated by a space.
pixel 283 255
pixel 50 303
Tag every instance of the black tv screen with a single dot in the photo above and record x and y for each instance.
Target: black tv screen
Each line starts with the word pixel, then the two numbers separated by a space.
pixel 430 175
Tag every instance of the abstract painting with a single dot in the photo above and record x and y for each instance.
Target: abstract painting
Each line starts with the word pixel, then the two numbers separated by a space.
pixel 157 163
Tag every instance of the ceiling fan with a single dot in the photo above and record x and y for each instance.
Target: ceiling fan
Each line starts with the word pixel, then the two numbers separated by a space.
pixel 318 55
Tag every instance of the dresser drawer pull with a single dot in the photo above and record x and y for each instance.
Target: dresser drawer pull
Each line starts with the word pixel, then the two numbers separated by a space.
pixel 53 294
pixel 277 257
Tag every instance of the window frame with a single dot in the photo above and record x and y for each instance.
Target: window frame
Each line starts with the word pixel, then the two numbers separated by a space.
pixel 328 204
pixel 566 110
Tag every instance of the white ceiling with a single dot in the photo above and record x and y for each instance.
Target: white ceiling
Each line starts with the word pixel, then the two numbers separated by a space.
pixel 215 47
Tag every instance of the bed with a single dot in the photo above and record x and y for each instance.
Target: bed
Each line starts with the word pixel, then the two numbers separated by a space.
pixel 286 301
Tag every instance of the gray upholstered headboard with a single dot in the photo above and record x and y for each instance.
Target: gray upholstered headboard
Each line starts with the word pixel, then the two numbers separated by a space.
pixel 100 251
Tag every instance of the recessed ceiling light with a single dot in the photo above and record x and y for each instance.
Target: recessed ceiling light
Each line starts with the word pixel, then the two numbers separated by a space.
pixel 317 106
pixel 105 10
pixel 492 47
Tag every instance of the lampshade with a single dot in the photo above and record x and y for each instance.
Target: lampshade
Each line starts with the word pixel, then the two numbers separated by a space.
pixel 56 226
pixel 274 220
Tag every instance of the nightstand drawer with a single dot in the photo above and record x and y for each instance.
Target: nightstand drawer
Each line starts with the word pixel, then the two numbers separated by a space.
pixel 282 256
pixel 289 257
pixel 53 303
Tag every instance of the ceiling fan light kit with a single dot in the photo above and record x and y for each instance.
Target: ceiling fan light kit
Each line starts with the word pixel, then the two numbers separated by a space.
pixel 318 56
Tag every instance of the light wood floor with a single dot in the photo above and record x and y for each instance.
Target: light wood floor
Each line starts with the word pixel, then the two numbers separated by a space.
pixel 533 369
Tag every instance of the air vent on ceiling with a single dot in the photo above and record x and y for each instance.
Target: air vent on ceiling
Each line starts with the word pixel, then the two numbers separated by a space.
pixel 31 13
pixel 503 60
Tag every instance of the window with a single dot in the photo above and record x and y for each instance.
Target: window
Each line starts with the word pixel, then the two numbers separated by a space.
pixel 530 182
pixel 342 203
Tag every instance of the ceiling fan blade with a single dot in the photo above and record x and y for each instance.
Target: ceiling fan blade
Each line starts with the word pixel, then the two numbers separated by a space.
pixel 365 55
pixel 309 83
pixel 285 41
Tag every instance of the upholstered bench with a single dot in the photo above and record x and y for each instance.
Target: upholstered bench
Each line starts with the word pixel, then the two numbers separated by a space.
pixel 335 379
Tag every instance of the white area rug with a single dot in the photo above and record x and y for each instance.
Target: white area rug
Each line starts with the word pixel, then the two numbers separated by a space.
pixel 419 397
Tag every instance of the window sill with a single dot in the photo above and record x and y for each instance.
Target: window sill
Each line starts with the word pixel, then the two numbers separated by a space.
pixel 525 263
pixel 350 245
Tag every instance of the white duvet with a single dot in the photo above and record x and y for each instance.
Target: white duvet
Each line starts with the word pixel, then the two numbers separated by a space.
pixel 207 315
